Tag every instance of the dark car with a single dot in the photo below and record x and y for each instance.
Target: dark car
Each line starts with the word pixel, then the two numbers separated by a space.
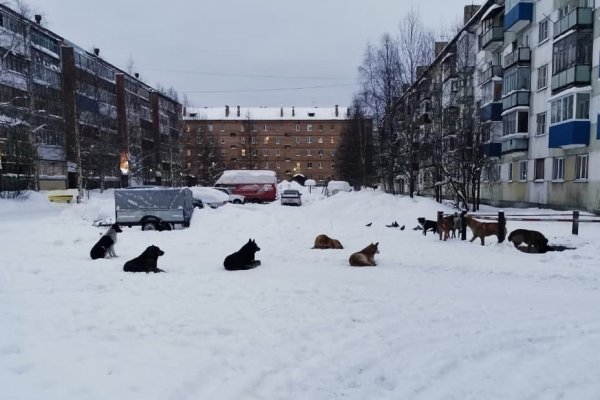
pixel 291 197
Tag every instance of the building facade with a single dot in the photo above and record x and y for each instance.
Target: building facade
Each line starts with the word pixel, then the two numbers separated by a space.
pixel 535 104
pixel 288 140
pixel 68 118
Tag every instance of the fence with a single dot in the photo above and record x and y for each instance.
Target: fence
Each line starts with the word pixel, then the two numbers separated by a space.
pixel 501 218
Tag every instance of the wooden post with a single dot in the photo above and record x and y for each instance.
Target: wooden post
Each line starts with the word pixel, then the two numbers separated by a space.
pixel 463 225
pixel 575 230
pixel 440 215
pixel 501 227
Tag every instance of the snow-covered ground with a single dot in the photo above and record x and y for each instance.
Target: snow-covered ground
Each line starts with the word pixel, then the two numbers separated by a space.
pixel 434 320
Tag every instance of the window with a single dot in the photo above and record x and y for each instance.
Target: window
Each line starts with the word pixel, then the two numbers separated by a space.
pixel 510 172
pixel 574 49
pixel 541 124
pixel 454 86
pixel 320 153
pixel 309 140
pixel 309 152
pixel 277 152
pixel 266 140
pixel 210 127
pixel 266 165
pixel 297 139
pixel 522 170
pixel 254 152
pixel 222 140
pixel 266 153
pixel 297 127
pixel 320 140
pixel 188 152
pixel 517 78
pixel 253 140
pixel 242 140
pixel 309 127
pixel 320 165
pixel 332 152
pixel 243 152
pixel 515 122
pixel 558 169
pixel 277 165
pixel 265 128
pixel 309 165
pixel 542 77
pixel 297 153
pixel 321 127
pixel 538 169
pixel 543 32
pixel 277 140
pixel 562 108
pixel 332 140
pixel 581 167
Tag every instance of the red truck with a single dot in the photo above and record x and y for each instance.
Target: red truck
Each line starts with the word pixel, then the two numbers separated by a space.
pixel 257 186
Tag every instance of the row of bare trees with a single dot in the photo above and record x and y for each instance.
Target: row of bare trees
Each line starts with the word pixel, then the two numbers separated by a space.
pixel 412 132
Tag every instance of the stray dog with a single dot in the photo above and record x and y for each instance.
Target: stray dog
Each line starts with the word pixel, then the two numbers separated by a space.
pixel 531 238
pixel 457 225
pixel 365 257
pixel 145 262
pixel 243 259
pixel 482 229
pixel 427 225
pixel 446 225
pixel 325 242
pixel 106 245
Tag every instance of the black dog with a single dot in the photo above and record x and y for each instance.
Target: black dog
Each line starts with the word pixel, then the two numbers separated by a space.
pixel 243 259
pixel 427 224
pixel 145 262
pixel 106 245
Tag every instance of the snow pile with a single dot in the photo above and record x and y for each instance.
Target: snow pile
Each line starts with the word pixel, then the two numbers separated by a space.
pixel 434 319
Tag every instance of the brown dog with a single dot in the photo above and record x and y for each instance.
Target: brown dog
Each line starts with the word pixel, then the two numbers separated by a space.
pixel 325 242
pixel 445 226
pixel 531 238
pixel 482 229
pixel 365 257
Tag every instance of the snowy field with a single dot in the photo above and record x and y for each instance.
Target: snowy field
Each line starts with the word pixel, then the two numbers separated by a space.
pixel 434 320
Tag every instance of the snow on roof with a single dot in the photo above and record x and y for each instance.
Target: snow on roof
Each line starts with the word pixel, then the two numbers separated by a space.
pixel 236 176
pixel 490 12
pixel 267 113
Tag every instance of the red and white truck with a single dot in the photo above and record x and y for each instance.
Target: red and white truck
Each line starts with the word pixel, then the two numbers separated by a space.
pixel 257 186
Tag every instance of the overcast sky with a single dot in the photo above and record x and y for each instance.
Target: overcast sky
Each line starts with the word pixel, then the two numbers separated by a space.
pixel 241 52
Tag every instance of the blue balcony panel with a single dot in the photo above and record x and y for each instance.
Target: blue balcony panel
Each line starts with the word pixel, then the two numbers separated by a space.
pixel 598 127
pixel 569 134
pixel 491 112
pixel 518 17
pixel 492 150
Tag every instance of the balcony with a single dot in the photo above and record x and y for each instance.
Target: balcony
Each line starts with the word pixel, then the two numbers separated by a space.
pixel 492 150
pixel 492 38
pixel 515 145
pixel 518 17
pixel 521 56
pixel 570 134
pixel 576 75
pixel 578 18
pixel 491 112
pixel 491 72
pixel 515 99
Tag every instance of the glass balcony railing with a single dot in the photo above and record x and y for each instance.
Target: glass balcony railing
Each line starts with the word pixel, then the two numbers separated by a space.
pixel 493 35
pixel 522 55
pixel 578 74
pixel 490 72
pixel 579 17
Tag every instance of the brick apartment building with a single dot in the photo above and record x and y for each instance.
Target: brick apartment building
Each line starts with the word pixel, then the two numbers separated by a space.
pixel 65 112
pixel 287 140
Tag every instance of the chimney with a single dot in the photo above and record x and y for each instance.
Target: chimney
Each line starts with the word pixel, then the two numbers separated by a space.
pixel 38 18
pixel 293 112
pixel 469 11
pixel 226 111
pixel 281 112
pixel 439 46
pixel 96 51
pixel 137 75
pixel 348 112
pixel 337 113
pixel 238 111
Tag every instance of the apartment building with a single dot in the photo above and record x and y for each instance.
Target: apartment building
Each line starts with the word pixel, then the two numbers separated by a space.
pixel 288 140
pixel 536 101
pixel 69 118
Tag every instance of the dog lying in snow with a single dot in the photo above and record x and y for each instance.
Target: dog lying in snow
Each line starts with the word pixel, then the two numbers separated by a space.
pixel 325 242
pixel 243 259
pixel 145 262
pixel 365 257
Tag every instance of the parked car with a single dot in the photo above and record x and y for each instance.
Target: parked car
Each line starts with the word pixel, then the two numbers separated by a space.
pixel 257 186
pixel 208 196
pixel 154 208
pixel 233 198
pixel 291 197
pixel 334 187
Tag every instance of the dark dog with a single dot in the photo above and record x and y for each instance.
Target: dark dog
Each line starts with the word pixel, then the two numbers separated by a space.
pixel 427 225
pixel 446 226
pixel 145 262
pixel 325 242
pixel 365 257
pixel 243 259
pixel 106 245
pixel 531 238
